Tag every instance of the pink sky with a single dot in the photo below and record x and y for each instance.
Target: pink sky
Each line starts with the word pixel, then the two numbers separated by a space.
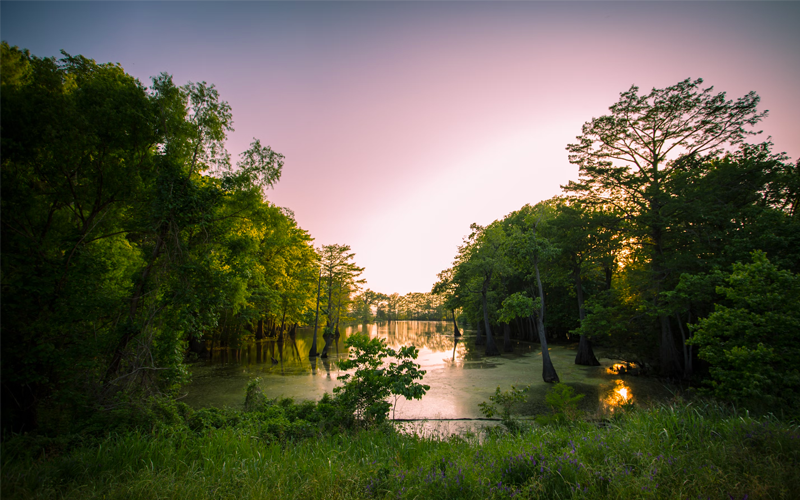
pixel 402 123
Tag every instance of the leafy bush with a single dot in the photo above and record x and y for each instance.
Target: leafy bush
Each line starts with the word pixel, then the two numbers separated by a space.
pixel 753 342
pixel 505 400
pixel 366 392
pixel 562 399
pixel 254 397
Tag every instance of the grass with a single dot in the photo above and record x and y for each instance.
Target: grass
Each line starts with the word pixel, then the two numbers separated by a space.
pixel 679 450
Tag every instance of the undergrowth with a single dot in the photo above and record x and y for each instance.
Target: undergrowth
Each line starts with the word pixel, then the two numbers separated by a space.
pixel 280 451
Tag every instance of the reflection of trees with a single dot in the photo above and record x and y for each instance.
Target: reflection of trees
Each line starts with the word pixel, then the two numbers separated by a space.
pixel 290 353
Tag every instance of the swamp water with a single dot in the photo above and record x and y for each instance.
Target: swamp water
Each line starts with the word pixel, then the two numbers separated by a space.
pixel 459 375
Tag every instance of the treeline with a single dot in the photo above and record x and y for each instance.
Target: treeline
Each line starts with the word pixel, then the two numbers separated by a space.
pixel 679 245
pixel 128 235
pixel 414 306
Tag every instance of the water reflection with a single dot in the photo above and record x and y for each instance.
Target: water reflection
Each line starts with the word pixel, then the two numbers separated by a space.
pixel 616 395
pixel 459 375
pixel 623 368
pixel 288 355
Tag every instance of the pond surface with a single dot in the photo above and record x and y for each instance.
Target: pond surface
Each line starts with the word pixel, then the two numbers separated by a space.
pixel 459 375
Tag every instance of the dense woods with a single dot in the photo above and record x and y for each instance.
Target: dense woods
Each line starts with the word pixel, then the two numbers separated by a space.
pixel 129 236
pixel 676 228
pixel 131 240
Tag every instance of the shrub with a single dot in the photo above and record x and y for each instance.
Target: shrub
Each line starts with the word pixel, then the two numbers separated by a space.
pixel 562 399
pixel 505 401
pixel 365 393
pixel 752 342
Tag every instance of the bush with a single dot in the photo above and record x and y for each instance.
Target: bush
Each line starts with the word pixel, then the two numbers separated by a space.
pixel 753 341
pixel 367 391
pixel 506 401
pixel 562 399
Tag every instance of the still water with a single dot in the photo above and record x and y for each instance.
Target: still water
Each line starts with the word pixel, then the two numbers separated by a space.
pixel 459 375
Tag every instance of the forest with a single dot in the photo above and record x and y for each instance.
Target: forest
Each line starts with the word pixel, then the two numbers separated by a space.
pixel 132 243
pixel 678 245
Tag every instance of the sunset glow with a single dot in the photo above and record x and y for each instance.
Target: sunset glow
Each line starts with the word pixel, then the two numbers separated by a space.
pixel 402 123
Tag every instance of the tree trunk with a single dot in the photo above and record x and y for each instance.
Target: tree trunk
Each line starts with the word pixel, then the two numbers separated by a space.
pixel 549 374
pixel 480 340
pixel 283 323
pixel 456 333
pixel 507 338
pixel 313 353
pixel 687 350
pixel 130 330
pixel 670 362
pixel 585 355
pixel 491 349
pixel 338 311
pixel 328 332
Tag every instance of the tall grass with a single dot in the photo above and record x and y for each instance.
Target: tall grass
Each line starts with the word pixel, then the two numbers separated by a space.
pixel 670 451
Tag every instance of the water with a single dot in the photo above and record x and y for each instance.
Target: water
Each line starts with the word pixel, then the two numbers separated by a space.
pixel 458 374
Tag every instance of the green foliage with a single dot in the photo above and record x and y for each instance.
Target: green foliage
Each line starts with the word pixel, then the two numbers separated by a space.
pixel 518 305
pixel 671 451
pixel 254 395
pixel 502 403
pixel 562 399
pixel 752 340
pixel 126 233
pixel 366 392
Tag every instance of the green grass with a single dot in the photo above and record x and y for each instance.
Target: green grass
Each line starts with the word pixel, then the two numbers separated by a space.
pixel 668 451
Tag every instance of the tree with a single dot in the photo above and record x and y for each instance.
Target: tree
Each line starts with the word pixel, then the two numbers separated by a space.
pixel 529 250
pixel 366 391
pixel 445 288
pixel 626 159
pixel 587 238
pixel 126 232
pixel 339 273
pixel 480 260
pixel 751 338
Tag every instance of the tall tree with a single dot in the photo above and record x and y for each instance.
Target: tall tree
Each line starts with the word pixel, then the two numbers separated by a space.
pixel 624 159
pixel 479 261
pixel 445 288
pixel 118 243
pixel 338 272
pixel 587 237
pixel 530 250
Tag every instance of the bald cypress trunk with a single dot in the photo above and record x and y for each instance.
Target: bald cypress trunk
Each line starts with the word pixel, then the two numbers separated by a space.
pixel 480 340
pixel 313 352
pixel 328 332
pixel 549 374
pixel 507 338
pixel 585 355
pixel 491 348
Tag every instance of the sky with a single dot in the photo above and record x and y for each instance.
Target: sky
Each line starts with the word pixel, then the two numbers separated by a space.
pixel 404 122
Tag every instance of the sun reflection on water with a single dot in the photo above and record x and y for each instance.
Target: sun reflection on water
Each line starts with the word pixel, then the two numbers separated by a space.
pixel 618 395
pixel 623 369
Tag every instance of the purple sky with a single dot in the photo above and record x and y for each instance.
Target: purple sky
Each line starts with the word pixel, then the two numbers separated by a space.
pixel 402 123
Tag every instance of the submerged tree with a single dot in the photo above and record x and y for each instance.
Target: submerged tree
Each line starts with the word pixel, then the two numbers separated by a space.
pixel 445 288
pixel 479 261
pixel 528 250
pixel 339 273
